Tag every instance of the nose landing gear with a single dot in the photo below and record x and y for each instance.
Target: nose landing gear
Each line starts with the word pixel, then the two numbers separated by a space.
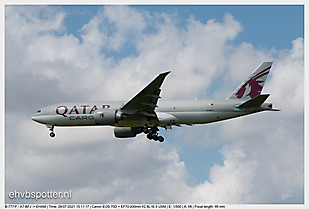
pixel 51 128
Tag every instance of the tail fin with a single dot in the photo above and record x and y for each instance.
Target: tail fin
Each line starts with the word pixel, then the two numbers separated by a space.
pixel 253 86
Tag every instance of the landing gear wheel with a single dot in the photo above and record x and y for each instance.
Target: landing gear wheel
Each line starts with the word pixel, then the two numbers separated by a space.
pixel 139 129
pixel 145 130
pixel 151 133
pixel 149 136
pixel 155 137
pixel 160 139
pixel 52 134
pixel 51 128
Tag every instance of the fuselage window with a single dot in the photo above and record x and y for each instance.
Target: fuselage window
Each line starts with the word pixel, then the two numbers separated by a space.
pixel 39 111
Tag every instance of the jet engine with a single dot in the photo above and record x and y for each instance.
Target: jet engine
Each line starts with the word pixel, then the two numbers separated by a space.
pixel 125 132
pixel 107 116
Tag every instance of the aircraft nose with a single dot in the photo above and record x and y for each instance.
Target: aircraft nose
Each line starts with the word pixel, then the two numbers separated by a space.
pixel 34 118
pixel 37 119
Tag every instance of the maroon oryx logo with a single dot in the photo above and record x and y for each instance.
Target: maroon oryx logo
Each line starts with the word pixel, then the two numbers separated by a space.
pixel 253 84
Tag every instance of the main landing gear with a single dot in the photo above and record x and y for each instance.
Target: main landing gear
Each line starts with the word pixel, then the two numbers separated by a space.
pixel 151 133
pixel 51 128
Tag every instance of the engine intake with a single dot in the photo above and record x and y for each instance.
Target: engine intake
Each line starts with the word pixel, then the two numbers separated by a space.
pixel 107 117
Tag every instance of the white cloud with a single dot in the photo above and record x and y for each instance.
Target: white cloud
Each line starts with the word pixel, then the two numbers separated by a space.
pixel 264 150
pixel 287 83
pixel 258 168
pixel 27 21
pixel 129 23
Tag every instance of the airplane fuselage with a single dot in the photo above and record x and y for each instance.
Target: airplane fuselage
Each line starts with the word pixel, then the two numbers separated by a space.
pixel 169 113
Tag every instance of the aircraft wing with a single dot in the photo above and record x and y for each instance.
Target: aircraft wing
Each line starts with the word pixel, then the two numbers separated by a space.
pixel 143 104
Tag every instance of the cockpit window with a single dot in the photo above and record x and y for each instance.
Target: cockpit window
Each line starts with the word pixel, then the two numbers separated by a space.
pixel 39 111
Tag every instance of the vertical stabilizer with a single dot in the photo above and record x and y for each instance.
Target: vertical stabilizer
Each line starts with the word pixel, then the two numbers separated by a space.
pixel 253 86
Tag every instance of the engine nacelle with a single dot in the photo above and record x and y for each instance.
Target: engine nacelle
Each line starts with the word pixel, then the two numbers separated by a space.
pixel 125 132
pixel 107 117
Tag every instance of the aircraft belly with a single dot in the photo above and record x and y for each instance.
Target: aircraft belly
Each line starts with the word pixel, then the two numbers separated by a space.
pixel 175 118
pixel 136 122
pixel 204 117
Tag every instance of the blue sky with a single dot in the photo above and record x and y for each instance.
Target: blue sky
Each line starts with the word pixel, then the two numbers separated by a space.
pixel 94 53
pixel 264 26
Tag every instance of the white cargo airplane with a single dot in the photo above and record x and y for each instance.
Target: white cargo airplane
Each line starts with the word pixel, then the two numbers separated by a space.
pixel 144 114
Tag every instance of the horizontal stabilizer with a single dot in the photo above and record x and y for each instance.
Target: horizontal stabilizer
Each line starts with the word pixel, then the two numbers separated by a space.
pixel 255 102
pixel 274 110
